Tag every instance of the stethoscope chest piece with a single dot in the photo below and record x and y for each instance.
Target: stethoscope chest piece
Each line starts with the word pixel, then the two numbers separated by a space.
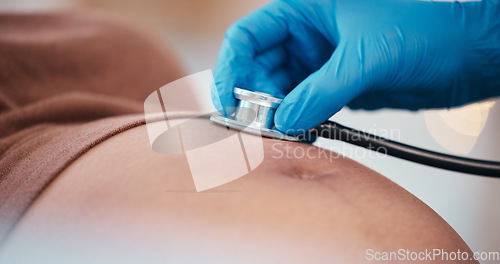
pixel 254 114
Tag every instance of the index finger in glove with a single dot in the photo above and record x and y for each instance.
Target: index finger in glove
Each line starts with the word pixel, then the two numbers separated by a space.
pixel 244 41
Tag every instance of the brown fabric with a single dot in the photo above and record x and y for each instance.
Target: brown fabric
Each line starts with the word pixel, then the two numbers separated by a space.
pixel 67 82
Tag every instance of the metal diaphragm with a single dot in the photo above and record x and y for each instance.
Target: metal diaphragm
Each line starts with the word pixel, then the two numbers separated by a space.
pixel 255 115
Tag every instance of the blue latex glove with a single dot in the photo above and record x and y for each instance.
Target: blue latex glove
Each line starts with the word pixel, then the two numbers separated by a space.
pixel 369 54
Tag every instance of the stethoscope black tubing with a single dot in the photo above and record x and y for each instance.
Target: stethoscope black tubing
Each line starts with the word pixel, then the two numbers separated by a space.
pixel 332 130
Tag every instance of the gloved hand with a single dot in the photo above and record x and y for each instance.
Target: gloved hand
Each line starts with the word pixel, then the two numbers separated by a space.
pixel 369 54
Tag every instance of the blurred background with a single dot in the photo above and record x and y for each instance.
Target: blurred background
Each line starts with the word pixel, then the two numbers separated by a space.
pixel 195 28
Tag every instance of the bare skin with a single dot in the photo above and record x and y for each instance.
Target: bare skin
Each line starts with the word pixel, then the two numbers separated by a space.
pixel 123 203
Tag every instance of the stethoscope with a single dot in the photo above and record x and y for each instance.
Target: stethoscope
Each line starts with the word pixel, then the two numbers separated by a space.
pixel 255 114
